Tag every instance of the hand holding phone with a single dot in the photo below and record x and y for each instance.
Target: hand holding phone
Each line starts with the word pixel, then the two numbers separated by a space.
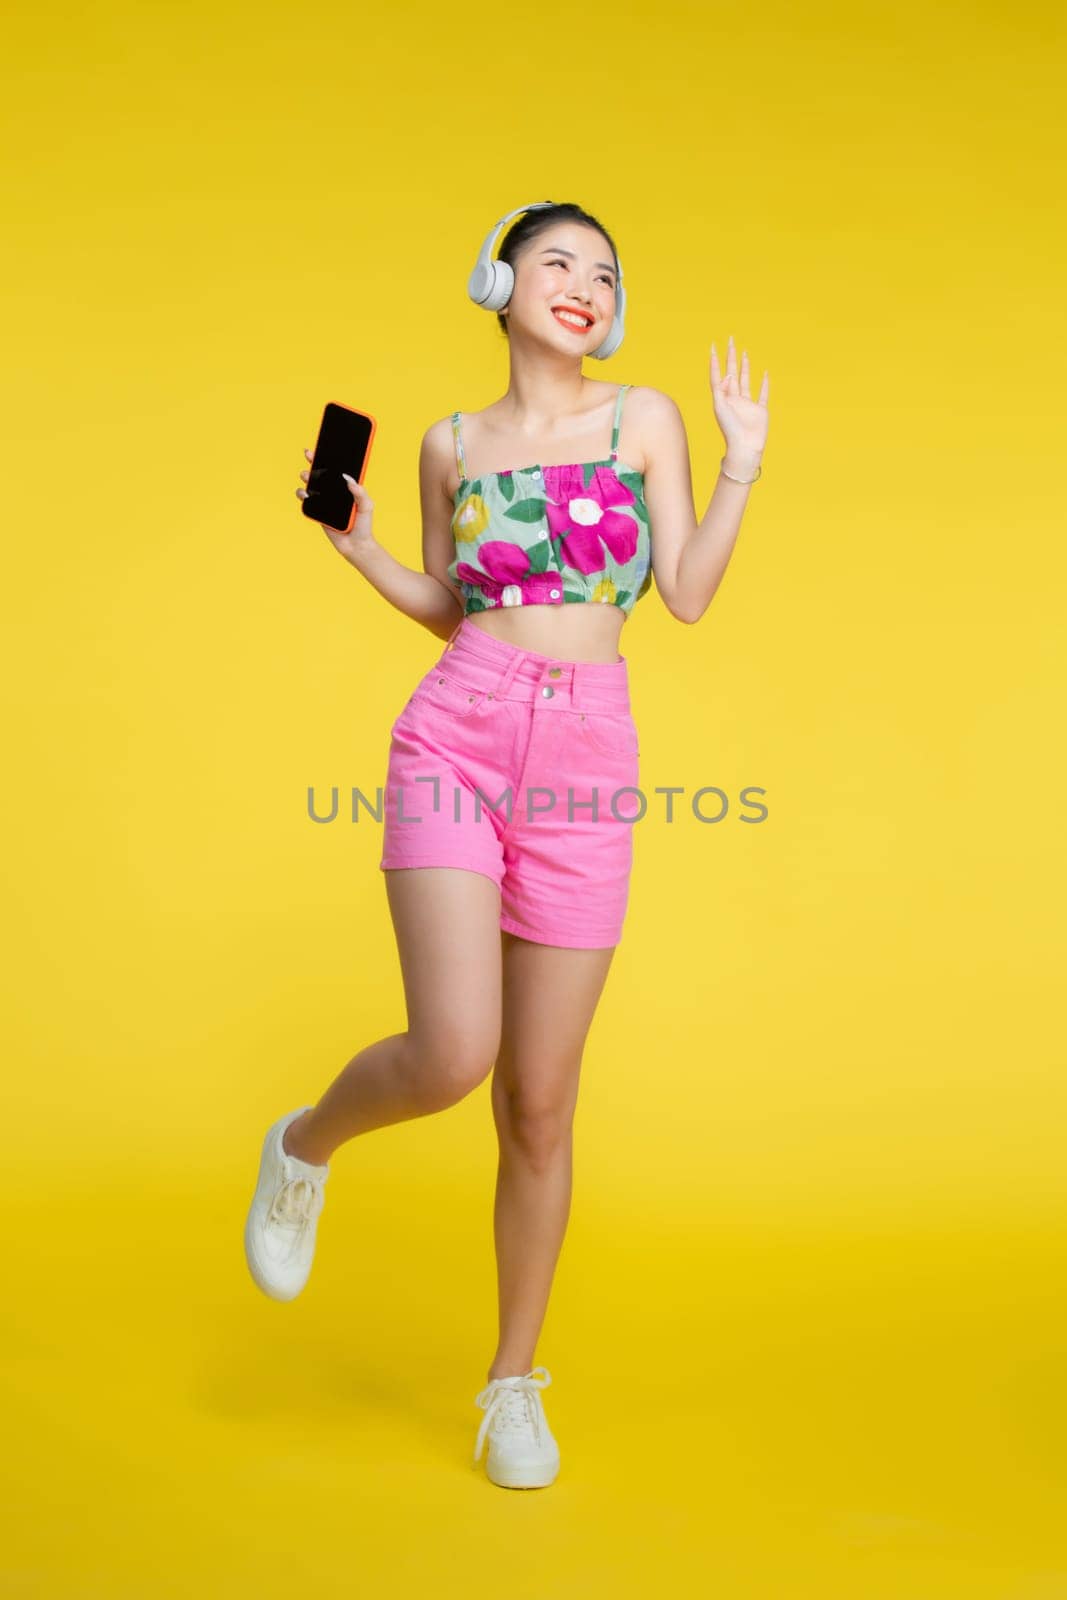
pixel 335 496
pixel 361 527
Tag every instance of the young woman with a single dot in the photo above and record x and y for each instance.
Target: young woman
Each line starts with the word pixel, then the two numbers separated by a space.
pixel 507 839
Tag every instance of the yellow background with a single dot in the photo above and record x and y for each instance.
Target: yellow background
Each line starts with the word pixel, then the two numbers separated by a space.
pixel 807 1330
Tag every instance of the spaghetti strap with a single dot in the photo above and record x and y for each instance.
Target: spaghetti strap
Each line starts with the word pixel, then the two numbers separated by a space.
pixel 618 419
pixel 461 460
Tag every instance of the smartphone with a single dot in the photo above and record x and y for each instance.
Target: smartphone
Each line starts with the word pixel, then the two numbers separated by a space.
pixel 343 445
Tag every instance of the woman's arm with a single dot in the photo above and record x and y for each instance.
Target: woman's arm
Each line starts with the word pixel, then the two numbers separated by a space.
pixel 426 597
pixel 689 558
pixel 419 595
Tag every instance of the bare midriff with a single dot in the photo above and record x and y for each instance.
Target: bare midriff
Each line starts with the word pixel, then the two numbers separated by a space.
pixel 588 632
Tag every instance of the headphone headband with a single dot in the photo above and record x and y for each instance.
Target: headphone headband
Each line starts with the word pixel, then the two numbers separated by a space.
pixel 492 281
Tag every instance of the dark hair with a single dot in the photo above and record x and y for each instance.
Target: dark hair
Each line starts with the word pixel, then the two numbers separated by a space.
pixel 533 223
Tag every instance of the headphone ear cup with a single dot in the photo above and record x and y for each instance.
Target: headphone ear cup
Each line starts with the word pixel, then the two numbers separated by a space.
pixel 607 347
pixel 490 284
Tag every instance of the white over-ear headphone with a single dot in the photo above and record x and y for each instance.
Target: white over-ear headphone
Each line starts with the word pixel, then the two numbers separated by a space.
pixel 491 283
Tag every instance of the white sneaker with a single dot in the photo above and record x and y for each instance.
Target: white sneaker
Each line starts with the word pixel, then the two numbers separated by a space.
pixel 523 1453
pixel 283 1217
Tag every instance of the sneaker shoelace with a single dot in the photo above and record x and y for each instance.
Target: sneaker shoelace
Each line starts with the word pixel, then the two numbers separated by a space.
pixel 512 1408
pixel 295 1206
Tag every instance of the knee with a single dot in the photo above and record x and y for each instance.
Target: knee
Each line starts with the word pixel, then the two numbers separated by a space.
pixel 537 1127
pixel 451 1063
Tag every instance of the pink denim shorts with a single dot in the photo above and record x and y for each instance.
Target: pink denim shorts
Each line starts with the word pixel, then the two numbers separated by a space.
pixel 524 768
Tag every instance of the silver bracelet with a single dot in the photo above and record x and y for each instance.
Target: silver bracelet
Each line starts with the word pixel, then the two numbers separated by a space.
pixel 731 477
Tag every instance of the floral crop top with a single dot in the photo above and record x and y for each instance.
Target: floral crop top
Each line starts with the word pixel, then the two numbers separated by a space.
pixel 552 535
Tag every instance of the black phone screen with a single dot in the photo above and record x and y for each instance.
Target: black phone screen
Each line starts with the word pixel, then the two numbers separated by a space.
pixel 344 437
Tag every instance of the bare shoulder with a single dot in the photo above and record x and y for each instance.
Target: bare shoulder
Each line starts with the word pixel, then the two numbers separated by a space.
pixel 437 456
pixel 657 424
pixel 651 405
pixel 437 440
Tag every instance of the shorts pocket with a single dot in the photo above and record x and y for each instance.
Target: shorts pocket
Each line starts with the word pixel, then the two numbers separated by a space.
pixel 610 733
pixel 444 693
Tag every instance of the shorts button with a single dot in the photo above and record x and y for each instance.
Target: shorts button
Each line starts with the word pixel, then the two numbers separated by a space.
pixel 555 672
pixel 548 691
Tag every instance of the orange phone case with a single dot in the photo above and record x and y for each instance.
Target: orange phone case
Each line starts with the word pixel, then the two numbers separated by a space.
pixel 366 458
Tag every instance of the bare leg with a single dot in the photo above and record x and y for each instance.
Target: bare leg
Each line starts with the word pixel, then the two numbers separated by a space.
pixel 534 1094
pixel 447 925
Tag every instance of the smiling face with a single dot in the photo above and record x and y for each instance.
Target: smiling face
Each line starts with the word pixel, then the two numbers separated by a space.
pixel 569 265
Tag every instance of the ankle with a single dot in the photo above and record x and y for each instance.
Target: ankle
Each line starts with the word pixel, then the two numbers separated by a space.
pixel 293 1145
pixel 503 1369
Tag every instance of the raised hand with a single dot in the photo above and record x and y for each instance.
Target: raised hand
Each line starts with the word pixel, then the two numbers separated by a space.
pixel 743 421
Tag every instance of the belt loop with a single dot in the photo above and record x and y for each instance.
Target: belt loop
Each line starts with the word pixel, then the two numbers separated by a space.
pixel 578 677
pixel 512 667
pixel 455 630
